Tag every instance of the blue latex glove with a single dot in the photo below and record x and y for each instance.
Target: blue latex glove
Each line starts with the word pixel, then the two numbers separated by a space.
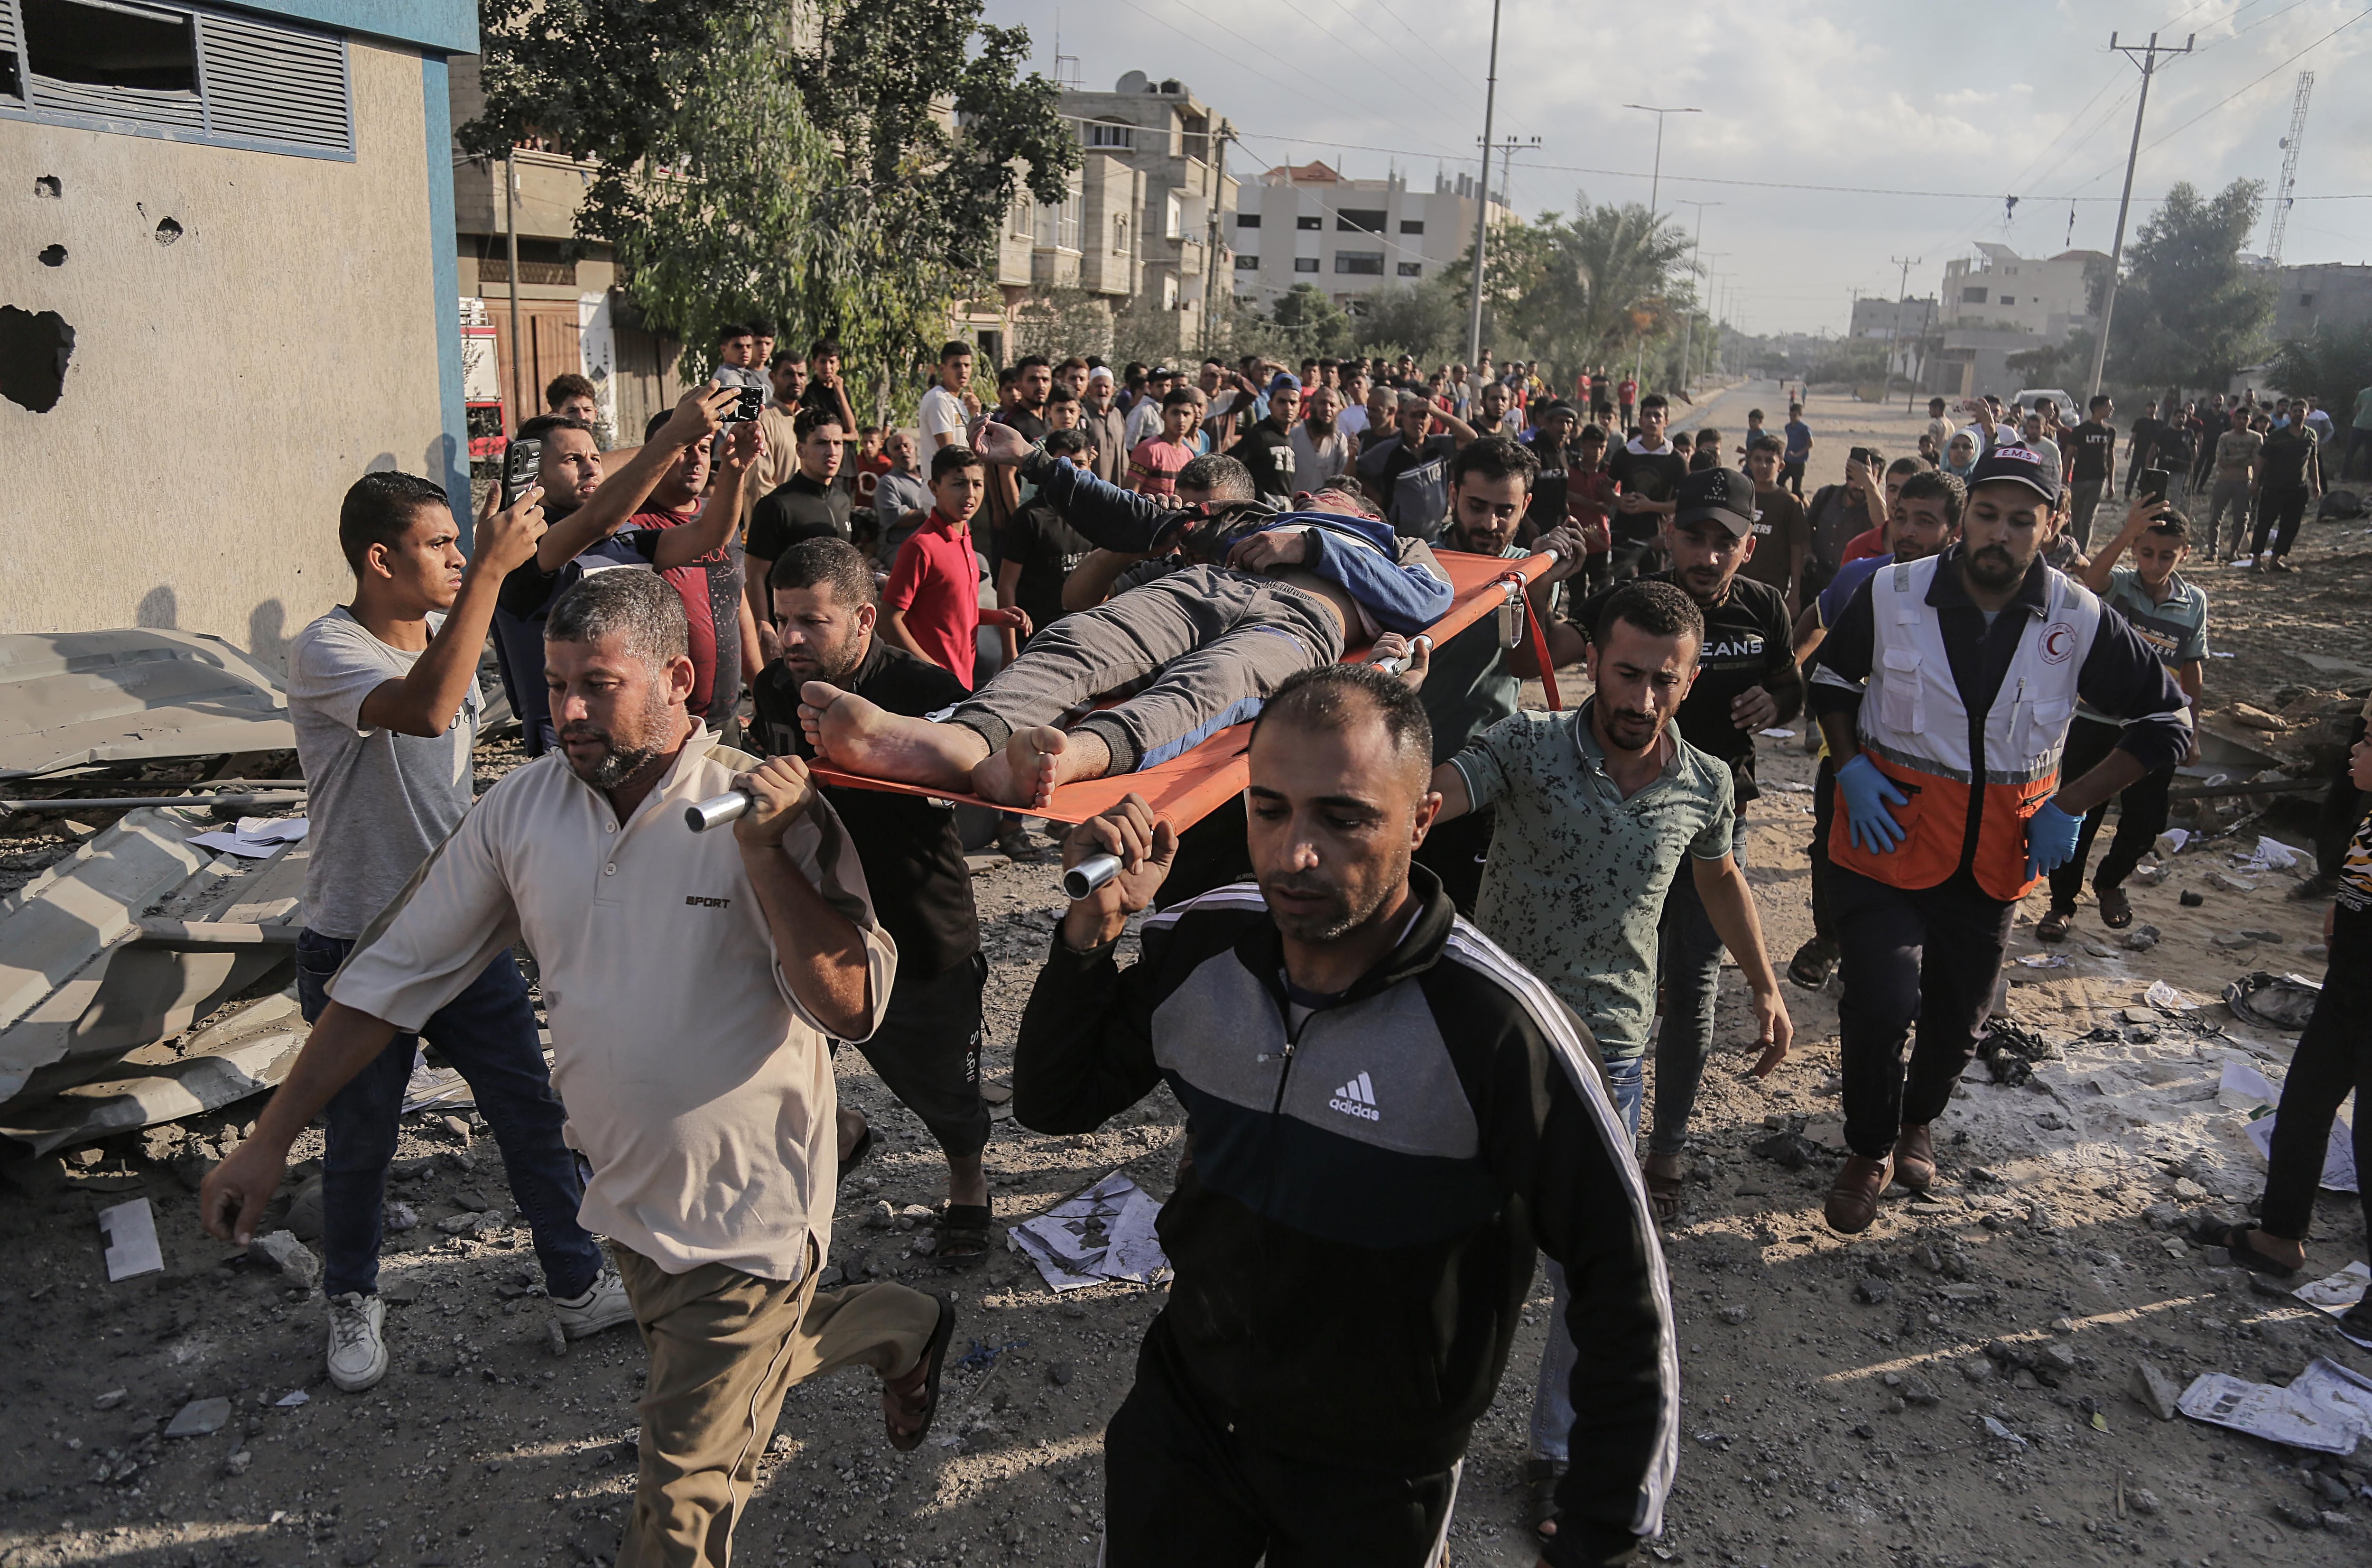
pixel 1867 793
pixel 2049 839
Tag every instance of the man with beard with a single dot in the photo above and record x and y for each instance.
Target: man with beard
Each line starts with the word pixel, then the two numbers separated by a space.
pixel 584 514
pixel 1598 811
pixel 1925 518
pixel 1387 1117
pixel 1410 470
pixel 706 1054
pixel 1472 681
pixel 1106 425
pixel 1950 682
pixel 1745 682
pixel 927 1049
pixel 1322 447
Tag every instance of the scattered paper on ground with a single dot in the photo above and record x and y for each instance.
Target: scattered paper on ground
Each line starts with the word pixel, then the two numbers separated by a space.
pixel 255 838
pixel 1092 1237
pixel 131 1232
pixel 2326 1408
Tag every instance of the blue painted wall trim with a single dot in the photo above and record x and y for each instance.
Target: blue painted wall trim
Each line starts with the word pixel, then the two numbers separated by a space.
pixel 449 26
pixel 444 284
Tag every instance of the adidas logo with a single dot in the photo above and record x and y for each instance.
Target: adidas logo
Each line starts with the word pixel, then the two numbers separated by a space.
pixel 1356 1098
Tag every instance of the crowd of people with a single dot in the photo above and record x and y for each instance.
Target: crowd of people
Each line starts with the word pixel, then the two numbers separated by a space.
pixel 1405 985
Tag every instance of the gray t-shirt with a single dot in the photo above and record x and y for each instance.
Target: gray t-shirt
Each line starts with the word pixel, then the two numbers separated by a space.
pixel 381 802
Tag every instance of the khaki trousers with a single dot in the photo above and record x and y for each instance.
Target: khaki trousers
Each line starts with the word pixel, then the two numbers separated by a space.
pixel 725 1347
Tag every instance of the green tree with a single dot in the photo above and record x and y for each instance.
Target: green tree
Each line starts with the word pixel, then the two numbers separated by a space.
pixel 1312 323
pixel 792 161
pixel 1601 284
pixel 2189 313
pixel 1426 319
pixel 2330 365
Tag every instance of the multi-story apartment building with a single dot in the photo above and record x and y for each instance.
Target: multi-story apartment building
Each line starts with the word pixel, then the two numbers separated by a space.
pixel 1306 224
pixel 1092 245
pixel 1183 220
pixel 1999 303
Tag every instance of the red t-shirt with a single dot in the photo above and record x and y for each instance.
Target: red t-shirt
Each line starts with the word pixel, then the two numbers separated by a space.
pixel 711 591
pixel 1628 392
pixel 867 474
pixel 936 584
pixel 1862 545
pixel 1152 467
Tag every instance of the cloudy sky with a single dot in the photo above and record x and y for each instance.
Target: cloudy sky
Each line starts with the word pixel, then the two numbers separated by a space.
pixel 1934 113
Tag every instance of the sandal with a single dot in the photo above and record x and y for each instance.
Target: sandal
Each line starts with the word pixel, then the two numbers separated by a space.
pixel 965 1226
pixel 1813 963
pixel 2116 909
pixel 856 1153
pixel 2231 1239
pixel 2053 926
pixel 935 1360
pixel 1663 1194
pixel 1541 1478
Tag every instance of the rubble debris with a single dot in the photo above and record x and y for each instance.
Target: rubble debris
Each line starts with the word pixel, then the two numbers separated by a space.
pixel 2009 1051
pixel 131 1232
pixel 2273 1002
pixel 83 981
pixel 200 1418
pixel 2154 1390
pixel 1788 1151
pixel 245 1053
pixel 290 1256
pixel 131 694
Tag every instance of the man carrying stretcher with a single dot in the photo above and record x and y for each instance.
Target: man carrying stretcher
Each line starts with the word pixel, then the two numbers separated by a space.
pixel 1256 596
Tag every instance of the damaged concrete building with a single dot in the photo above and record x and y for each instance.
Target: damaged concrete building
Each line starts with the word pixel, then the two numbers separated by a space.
pixel 230 287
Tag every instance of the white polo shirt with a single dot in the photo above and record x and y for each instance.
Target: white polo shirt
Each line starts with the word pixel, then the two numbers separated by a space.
pixel 697 1086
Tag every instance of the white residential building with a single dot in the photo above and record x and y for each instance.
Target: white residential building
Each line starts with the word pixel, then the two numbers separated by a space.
pixel 1306 224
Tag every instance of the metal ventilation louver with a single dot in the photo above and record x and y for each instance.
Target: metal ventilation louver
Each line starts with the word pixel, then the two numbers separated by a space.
pixel 273 84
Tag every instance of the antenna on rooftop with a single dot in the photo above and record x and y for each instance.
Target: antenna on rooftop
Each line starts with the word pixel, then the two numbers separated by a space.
pixel 2290 146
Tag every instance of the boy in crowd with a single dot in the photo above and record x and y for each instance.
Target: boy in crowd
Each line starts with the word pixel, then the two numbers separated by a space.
pixel 930 604
pixel 2170 613
pixel 1153 466
pixel 1782 534
pixel 384 696
pixel 1647 471
pixel 1799 450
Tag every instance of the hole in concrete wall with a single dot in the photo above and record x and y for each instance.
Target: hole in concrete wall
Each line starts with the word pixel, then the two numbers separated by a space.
pixel 167 231
pixel 47 185
pixel 33 355
pixel 54 256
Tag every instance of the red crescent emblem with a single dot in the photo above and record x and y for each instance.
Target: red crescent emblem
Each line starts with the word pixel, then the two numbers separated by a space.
pixel 2058 643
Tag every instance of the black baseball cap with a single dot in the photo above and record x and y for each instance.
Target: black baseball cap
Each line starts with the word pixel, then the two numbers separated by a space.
pixel 1721 495
pixel 2018 465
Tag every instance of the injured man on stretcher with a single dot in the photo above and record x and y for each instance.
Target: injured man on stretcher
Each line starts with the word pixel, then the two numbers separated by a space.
pixel 1250 595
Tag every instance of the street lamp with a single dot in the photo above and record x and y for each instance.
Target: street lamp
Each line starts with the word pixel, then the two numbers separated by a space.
pixel 1688 322
pixel 1655 180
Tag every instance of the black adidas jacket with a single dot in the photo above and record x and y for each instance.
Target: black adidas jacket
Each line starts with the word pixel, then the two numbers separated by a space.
pixel 1354 1228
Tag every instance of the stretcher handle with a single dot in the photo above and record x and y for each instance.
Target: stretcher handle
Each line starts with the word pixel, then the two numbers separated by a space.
pixel 1090 874
pixel 718 809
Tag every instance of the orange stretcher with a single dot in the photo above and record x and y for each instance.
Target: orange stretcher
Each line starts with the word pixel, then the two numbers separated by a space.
pixel 1196 781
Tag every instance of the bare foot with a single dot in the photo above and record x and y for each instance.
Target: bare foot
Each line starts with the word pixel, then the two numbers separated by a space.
pixel 865 738
pixel 1035 761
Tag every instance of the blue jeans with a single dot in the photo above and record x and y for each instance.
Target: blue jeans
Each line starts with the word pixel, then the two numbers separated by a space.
pixel 1553 1394
pixel 488 1034
pixel 1688 960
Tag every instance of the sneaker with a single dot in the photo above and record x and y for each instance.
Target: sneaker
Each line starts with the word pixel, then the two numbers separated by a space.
pixel 358 1345
pixel 603 1306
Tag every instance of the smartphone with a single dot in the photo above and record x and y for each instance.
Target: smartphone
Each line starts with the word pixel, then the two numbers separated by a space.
pixel 522 462
pixel 2153 483
pixel 1865 456
pixel 752 402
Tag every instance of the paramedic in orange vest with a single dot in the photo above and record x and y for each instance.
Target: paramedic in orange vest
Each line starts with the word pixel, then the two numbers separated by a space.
pixel 1945 691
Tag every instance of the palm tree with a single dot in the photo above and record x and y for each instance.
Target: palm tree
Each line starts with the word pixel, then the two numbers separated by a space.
pixel 1592 285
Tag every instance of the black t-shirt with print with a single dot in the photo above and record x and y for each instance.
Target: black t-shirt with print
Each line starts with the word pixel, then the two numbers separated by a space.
pixel 1656 476
pixel 912 854
pixel 1748 642
pixel 2095 444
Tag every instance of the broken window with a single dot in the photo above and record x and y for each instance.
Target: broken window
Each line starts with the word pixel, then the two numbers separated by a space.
pixel 194 76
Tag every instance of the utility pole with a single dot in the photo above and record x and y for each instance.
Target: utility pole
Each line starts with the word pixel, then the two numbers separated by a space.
pixel 1688 322
pixel 1219 140
pixel 1655 189
pixel 1483 199
pixel 2148 64
pixel 519 349
pixel 1894 344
